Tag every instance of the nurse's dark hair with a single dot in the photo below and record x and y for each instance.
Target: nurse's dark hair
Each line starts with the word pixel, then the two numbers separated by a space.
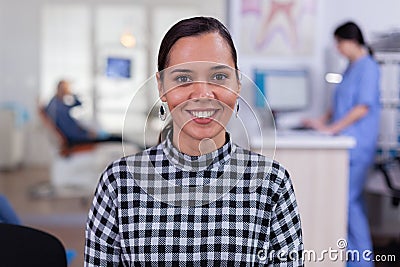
pixel 351 31
pixel 194 26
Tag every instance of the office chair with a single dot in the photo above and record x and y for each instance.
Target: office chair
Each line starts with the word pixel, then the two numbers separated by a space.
pixel 22 246
pixel 390 177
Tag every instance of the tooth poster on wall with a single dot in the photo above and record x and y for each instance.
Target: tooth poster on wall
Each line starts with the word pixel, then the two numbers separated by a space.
pixel 274 27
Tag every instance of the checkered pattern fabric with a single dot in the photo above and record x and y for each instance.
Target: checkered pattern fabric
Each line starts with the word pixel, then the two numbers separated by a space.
pixel 157 208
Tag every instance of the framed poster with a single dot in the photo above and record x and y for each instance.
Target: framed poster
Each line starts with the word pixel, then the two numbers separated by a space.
pixel 274 27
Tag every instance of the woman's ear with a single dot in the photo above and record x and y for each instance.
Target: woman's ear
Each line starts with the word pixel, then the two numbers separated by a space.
pixel 239 81
pixel 160 87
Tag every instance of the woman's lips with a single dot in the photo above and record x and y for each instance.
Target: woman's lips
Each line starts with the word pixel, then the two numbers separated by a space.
pixel 203 116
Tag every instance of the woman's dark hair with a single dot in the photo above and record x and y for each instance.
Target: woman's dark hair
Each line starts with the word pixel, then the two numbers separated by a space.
pixel 192 27
pixel 351 31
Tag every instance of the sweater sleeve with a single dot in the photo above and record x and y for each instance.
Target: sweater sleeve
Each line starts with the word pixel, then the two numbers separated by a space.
pixel 102 244
pixel 286 244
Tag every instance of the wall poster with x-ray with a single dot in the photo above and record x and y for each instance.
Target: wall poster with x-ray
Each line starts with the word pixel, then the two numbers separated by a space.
pixel 274 27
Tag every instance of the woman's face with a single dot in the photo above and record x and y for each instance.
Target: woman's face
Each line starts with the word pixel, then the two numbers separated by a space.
pixel 345 47
pixel 200 86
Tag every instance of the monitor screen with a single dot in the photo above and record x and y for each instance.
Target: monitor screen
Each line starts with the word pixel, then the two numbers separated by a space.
pixel 118 67
pixel 284 90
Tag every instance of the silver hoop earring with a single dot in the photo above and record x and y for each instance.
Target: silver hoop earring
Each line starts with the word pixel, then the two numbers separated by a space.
pixel 237 109
pixel 162 113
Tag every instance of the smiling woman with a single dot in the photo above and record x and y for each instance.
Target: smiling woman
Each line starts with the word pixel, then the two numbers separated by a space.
pixel 195 199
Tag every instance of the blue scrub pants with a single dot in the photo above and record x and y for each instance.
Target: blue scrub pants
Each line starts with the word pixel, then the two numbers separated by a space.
pixel 359 237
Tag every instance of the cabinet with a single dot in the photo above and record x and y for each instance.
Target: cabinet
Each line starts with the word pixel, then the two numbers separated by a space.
pixel 318 166
pixel 390 101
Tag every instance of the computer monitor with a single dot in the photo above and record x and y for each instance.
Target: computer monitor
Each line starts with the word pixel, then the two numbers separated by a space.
pixel 118 67
pixel 284 90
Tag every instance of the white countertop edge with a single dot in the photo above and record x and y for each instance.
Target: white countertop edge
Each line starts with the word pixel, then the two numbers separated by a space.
pixel 303 141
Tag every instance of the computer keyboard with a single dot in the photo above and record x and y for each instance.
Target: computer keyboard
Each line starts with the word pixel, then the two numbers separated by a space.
pixel 301 128
pixel 303 132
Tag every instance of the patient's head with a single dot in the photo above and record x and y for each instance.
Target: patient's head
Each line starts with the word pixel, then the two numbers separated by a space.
pixel 63 88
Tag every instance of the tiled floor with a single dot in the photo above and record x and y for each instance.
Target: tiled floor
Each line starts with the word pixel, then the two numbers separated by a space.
pixel 65 217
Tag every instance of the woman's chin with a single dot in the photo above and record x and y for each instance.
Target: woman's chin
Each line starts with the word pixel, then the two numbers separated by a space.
pixel 203 131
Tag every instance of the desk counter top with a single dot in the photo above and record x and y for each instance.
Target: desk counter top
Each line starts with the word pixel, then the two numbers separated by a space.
pixel 305 140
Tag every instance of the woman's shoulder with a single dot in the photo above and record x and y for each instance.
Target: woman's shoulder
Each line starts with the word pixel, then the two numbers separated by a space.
pixel 265 174
pixel 368 62
pixel 264 163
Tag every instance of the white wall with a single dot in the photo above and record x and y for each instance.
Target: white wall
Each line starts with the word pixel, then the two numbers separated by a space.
pixel 371 15
pixel 19 63
pixel 20 46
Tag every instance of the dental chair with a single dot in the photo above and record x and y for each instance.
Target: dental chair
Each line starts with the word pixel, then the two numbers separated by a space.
pixel 74 170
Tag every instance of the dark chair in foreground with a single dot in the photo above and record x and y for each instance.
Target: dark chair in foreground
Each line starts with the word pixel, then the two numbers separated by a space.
pixel 22 246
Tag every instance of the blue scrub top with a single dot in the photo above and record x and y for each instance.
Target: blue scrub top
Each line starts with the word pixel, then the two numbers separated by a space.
pixel 360 86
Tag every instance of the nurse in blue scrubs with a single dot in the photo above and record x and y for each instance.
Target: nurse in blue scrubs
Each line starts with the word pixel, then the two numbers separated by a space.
pixel 355 112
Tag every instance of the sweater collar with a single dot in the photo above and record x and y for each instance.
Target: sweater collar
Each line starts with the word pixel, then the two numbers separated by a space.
pixel 207 161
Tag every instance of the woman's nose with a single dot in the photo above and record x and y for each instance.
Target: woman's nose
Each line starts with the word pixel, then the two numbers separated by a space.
pixel 202 90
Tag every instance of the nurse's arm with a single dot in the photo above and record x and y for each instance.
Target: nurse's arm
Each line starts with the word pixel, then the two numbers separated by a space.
pixel 319 122
pixel 352 116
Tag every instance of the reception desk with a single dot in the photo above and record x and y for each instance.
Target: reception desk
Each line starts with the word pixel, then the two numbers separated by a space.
pixel 318 166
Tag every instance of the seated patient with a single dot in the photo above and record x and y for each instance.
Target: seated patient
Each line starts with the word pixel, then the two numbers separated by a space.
pixel 58 110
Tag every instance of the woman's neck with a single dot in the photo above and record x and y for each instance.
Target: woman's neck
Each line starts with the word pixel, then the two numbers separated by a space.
pixel 190 146
pixel 358 53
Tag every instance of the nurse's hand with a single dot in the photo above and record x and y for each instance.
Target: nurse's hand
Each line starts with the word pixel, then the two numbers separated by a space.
pixel 313 123
pixel 320 126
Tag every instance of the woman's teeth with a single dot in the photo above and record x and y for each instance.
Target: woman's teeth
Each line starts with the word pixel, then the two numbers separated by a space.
pixel 202 114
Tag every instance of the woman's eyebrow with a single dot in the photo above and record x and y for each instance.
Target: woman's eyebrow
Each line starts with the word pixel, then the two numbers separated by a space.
pixel 219 67
pixel 213 68
pixel 181 70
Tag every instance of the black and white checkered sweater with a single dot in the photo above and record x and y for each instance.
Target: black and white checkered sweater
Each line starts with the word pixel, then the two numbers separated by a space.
pixel 137 219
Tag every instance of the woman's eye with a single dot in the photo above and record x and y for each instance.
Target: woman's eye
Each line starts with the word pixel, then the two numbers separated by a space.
pixel 220 76
pixel 183 79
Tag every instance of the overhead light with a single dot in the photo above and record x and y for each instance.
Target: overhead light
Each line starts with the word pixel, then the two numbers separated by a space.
pixel 128 40
pixel 333 77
